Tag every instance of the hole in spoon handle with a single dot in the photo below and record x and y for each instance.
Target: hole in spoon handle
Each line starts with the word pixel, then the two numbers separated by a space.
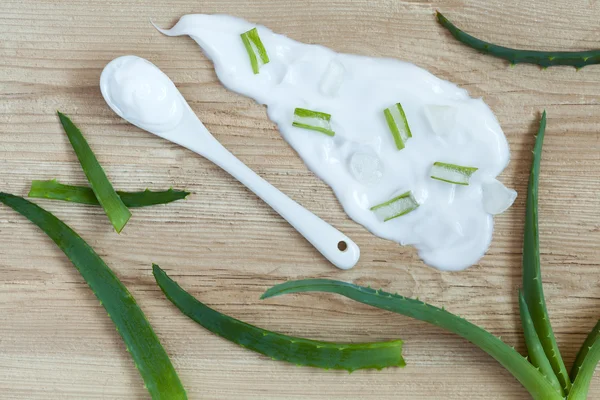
pixel 340 250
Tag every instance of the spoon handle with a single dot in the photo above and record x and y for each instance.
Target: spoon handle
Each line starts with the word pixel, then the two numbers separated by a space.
pixel 338 248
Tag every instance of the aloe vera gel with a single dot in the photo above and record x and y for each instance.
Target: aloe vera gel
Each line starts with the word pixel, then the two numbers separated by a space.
pixel 406 153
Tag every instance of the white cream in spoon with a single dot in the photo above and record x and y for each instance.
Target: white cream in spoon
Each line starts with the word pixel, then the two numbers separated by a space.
pixel 142 94
pixel 451 227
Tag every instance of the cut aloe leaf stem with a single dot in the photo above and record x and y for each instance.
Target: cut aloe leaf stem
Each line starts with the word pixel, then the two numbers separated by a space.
pixel 396 207
pixel 529 376
pixel 533 291
pixel 150 358
pixel 84 195
pixel 398 124
pixel 577 59
pixel 299 351
pixel 313 120
pixel 116 211
pixel 452 173
pixel 255 48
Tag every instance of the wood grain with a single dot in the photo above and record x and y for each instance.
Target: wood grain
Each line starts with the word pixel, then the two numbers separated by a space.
pixel 226 247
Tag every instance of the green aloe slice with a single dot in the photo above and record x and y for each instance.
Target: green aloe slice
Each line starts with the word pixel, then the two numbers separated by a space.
pixel 84 195
pixel 150 358
pixel 313 120
pixel 398 124
pixel 452 173
pixel 529 376
pixel 585 364
pixel 299 351
pixel 115 210
pixel 577 59
pixel 255 48
pixel 533 291
pixel 396 207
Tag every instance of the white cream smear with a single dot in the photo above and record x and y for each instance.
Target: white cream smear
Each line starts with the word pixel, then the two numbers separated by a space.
pixel 453 224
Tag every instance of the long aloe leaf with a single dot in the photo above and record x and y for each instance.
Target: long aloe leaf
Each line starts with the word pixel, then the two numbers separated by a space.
pixel 537 357
pixel 150 358
pixel 533 292
pixel 299 351
pixel 537 385
pixel 577 59
pixel 84 195
pixel 585 364
pixel 115 210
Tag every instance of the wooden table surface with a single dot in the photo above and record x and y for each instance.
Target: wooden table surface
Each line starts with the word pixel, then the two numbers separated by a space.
pixel 226 246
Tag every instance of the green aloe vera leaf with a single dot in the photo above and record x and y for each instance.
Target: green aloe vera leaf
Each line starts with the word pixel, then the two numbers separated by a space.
pixel 529 376
pixel 150 358
pixel 84 195
pixel 577 59
pixel 299 351
pixel 537 357
pixel 115 210
pixel 582 355
pixel 533 292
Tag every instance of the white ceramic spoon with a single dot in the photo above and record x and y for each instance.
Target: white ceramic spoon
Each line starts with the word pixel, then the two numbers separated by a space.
pixel 142 94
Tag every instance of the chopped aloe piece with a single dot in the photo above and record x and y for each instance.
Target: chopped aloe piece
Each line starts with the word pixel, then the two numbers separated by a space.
pixel 332 78
pixel 496 197
pixel 529 376
pixel 396 207
pixel 115 210
pixel 299 351
pixel 533 291
pixel 84 195
pixel 441 118
pixel 396 120
pixel 255 48
pixel 150 358
pixel 452 173
pixel 313 120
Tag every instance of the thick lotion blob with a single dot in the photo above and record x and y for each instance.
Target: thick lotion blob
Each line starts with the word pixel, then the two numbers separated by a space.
pixel 362 162
pixel 141 93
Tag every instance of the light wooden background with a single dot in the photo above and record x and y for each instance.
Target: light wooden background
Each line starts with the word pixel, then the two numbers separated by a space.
pixel 226 247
